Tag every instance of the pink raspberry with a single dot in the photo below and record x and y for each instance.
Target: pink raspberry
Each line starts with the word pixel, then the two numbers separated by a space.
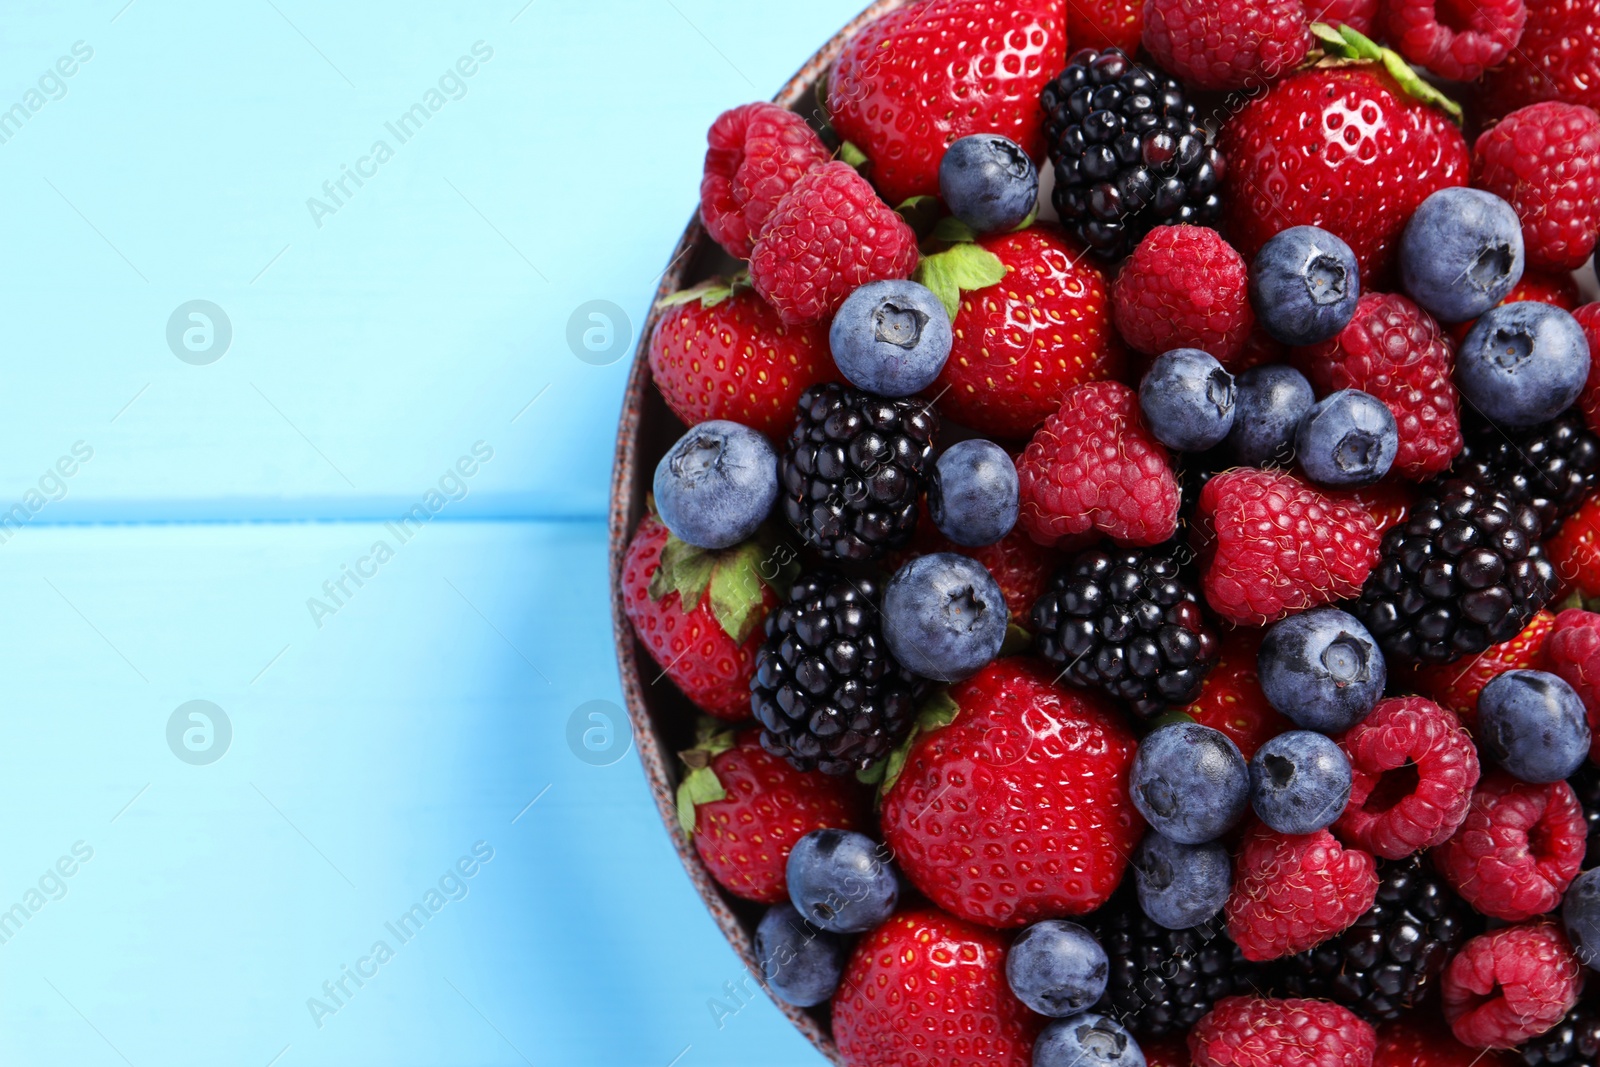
pixel 1544 160
pixel 1573 652
pixel 1519 848
pixel 1267 1032
pixel 1588 317
pixel 1184 287
pixel 755 153
pixel 1424 32
pixel 1224 44
pixel 1359 15
pixel 1510 985
pixel 1291 892
pixel 1094 467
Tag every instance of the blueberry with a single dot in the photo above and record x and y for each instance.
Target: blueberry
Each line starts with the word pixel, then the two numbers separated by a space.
pixel 1181 886
pixel 1187 400
pixel 800 962
pixel 944 616
pixel 1189 782
pixel 1321 669
pixel 1271 401
pixel 1299 782
pixel 1580 914
pixel 891 338
pixel 1461 253
pixel 1087 1040
pixel 988 182
pixel 1348 438
pixel 717 484
pixel 1057 968
pixel 841 880
pixel 1304 285
pixel 1523 363
pixel 1534 726
pixel 973 493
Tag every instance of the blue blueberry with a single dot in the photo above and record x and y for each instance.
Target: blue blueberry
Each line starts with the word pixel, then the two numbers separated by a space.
pixel 988 182
pixel 1534 725
pixel 1087 1040
pixel 1523 363
pixel 1580 914
pixel 1321 669
pixel 891 338
pixel 717 484
pixel 973 493
pixel 1304 285
pixel 1057 968
pixel 1348 438
pixel 842 881
pixel 944 616
pixel 1189 782
pixel 1461 253
pixel 1187 400
pixel 1181 886
pixel 1299 782
pixel 1269 405
pixel 800 961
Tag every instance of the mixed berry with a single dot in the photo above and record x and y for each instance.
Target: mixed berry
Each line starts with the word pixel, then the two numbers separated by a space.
pixel 1142 618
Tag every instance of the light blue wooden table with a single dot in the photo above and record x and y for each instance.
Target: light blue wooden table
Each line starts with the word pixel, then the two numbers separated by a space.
pixel 242 340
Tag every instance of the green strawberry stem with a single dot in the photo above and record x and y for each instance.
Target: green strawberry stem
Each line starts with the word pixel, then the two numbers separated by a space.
pixel 701 785
pixel 1344 44
pixel 937 711
pixel 733 578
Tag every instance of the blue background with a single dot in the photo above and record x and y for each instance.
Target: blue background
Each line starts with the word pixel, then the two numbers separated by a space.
pixel 370 348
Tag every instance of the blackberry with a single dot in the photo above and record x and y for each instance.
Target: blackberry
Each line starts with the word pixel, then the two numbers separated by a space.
pixel 854 469
pixel 1163 981
pixel 1386 963
pixel 1572 1042
pixel 1551 466
pixel 1586 784
pixel 826 691
pixel 1124 621
pixel 1128 153
pixel 1463 572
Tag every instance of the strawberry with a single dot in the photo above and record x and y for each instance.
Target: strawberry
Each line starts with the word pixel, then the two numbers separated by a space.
pixel 721 352
pixel 1416 1042
pixel 745 808
pixel 1455 686
pixel 1231 699
pixel 1102 24
pixel 1020 344
pixel 1028 775
pixel 1573 652
pixel 923 75
pixel 709 651
pixel 1574 551
pixel 928 990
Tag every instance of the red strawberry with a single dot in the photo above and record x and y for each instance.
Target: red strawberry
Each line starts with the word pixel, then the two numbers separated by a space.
pixel 1544 160
pixel 1021 568
pixel 1557 58
pixel 1094 467
pixel 1558 290
pixel 1456 39
pixel 1021 344
pixel 1165 1052
pixel 1519 848
pixel 745 809
pixel 1291 892
pixel 1416 1042
pixel 1102 24
pixel 1231 699
pixel 709 651
pixel 1018 809
pixel 1588 317
pixel 1455 686
pixel 1510 984
pixel 755 153
pixel 1271 545
pixel 926 74
pixel 1573 653
pixel 1394 350
pixel 928 990
pixel 1344 148
pixel 1184 287
pixel 1293 1032
pixel 721 353
pixel 1226 44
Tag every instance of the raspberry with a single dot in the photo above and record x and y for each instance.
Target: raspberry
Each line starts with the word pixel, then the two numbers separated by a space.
pixel 1094 467
pixel 1271 545
pixel 1509 985
pixel 1519 848
pixel 1293 1032
pixel 755 154
pixel 1545 161
pixel 1395 351
pixel 827 237
pixel 1359 15
pixel 1412 772
pixel 1455 686
pixel 1455 39
pixel 1558 58
pixel 1588 317
pixel 1184 287
pixel 1226 44
pixel 1293 892
pixel 1573 652
pixel 1575 551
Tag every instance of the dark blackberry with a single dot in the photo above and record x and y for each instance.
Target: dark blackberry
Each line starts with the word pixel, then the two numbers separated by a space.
pixel 1124 621
pixel 1572 1042
pixel 1163 981
pixel 1586 784
pixel 826 691
pixel 1386 963
pixel 1128 153
pixel 854 468
pixel 1463 572
pixel 1551 466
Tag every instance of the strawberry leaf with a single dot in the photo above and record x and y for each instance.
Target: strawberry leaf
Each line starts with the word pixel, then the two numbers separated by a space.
pixel 685 570
pixel 699 786
pixel 1344 43
pixel 954 231
pixel 737 590
pixel 938 711
pixel 957 269
pixel 1018 640
pixel 852 155
pixel 710 293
